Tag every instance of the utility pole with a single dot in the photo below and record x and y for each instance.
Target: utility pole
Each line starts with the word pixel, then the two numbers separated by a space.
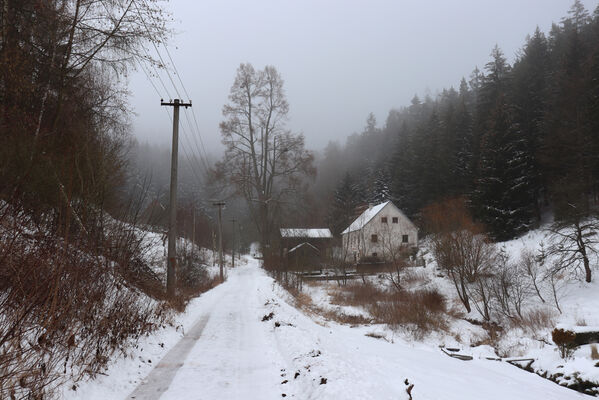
pixel 193 230
pixel 171 277
pixel 220 205
pixel 213 248
pixel 233 246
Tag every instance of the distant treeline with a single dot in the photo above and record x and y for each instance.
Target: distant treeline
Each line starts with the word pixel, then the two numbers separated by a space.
pixel 513 139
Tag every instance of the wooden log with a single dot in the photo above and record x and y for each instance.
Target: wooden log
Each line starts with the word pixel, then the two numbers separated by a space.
pixel 586 338
pixel 462 357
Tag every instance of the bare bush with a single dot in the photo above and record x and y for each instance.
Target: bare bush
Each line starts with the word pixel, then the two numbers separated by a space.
pixel 481 292
pixel 511 286
pixel 555 277
pixel 65 307
pixel 531 264
pixel 460 248
pixel 276 266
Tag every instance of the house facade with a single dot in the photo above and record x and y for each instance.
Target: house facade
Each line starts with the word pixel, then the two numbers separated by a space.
pixel 380 232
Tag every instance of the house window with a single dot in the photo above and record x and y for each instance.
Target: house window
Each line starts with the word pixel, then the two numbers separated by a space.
pixel 395 220
pixel 404 238
pixel 384 220
pixel 375 255
pixel 374 238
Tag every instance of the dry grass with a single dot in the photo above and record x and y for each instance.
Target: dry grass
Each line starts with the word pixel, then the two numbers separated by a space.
pixel 420 311
pixel 594 352
pixel 186 293
pixel 343 318
pixel 414 278
pixel 535 320
pixel 302 300
pixel 356 294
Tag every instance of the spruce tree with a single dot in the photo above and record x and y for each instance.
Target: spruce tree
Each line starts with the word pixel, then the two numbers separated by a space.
pixel 346 199
pixel 529 94
pixel 404 172
pixel 503 195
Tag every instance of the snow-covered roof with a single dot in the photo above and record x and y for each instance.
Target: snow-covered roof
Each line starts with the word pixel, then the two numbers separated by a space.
pixel 303 244
pixel 306 233
pixel 365 217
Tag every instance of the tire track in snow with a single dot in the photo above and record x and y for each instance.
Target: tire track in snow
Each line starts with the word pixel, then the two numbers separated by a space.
pixel 160 378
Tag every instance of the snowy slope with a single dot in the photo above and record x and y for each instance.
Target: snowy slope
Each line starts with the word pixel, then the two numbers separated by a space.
pixel 578 302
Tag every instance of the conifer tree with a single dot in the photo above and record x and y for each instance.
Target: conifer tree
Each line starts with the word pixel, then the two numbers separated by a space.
pixel 529 94
pixel 503 192
pixel 346 199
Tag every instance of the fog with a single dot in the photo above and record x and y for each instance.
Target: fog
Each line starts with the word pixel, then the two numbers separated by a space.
pixel 340 60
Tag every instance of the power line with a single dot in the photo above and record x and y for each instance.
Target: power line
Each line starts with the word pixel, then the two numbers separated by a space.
pixel 199 136
pixel 187 157
pixel 156 73
pixel 187 94
pixel 183 128
pixel 202 157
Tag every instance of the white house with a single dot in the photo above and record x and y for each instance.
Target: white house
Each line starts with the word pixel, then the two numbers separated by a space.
pixel 379 232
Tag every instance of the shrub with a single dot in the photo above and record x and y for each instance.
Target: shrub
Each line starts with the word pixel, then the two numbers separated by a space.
pixel 564 340
pixel 66 306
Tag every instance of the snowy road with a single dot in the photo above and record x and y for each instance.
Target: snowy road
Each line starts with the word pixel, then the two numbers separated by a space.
pixel 237 355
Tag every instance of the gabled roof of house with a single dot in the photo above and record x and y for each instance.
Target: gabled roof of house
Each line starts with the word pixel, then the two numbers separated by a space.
pixel 301 245
pixel 365 217
pixel 306 233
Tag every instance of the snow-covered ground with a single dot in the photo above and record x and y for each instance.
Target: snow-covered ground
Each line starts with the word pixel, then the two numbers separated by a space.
pixel 578 302
pixel 256 345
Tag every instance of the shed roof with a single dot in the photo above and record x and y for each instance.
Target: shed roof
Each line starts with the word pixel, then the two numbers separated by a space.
pixel 306 233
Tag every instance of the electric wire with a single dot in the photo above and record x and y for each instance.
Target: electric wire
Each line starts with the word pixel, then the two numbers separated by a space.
pixel 185 136
pixel 186 155
pixel 197 128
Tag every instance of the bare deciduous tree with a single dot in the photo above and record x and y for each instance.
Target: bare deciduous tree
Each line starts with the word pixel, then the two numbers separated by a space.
pixel 574 243
pixel 263 160
pixel 532 267
pixel 394 252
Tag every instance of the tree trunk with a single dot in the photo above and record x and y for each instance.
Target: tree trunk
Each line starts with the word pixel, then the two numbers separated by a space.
pixel 587 268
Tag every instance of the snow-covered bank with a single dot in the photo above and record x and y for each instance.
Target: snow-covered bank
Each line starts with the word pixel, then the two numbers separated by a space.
pixel 124 374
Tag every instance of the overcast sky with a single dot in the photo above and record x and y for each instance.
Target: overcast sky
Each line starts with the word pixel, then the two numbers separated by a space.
pixel 340 59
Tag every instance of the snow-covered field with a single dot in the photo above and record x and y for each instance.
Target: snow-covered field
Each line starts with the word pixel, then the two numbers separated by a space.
pixel 257 345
